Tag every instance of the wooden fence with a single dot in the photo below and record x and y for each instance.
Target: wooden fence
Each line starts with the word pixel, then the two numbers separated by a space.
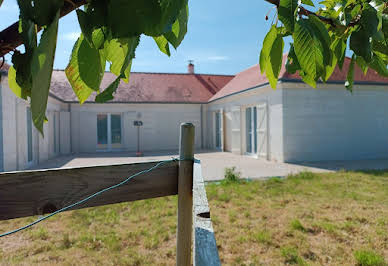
pixel 27 193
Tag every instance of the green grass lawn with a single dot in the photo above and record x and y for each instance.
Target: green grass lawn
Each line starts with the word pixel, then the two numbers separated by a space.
pixel 307 219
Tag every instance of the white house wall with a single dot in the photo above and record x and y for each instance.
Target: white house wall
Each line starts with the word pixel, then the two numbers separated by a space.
pixel 160 130
pixel 14 121
pixel 330 123
pixel 241 100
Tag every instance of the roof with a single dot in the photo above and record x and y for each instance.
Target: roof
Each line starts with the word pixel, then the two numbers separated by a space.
pixel 251 78
pixel 150 87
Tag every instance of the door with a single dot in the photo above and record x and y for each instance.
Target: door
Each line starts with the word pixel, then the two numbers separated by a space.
pixel 236 130
pixel 251 130
pixel 262 130
pixel 109 132
pixel 29 136
pixel 218 129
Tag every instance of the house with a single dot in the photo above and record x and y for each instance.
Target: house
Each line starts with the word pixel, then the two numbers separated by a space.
pixel 160 100
pixel 239 114
pixel 296 123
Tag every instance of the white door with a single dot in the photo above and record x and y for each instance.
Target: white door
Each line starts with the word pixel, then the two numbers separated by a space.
pixel 108 131
pixel 262 130
pixel 218 130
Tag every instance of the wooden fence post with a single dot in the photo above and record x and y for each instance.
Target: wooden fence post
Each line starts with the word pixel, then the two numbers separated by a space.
pixel 185 194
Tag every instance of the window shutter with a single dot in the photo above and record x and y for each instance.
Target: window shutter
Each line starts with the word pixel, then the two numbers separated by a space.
pixel 236 130
pixel 262 124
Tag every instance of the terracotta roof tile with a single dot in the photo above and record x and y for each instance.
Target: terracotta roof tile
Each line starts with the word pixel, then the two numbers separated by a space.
pixel 252 77
pixel 150 87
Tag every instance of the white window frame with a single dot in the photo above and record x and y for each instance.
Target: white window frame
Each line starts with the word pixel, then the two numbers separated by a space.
pixel 254 136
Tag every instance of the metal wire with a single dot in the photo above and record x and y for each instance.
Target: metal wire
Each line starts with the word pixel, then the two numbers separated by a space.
pixel 89 197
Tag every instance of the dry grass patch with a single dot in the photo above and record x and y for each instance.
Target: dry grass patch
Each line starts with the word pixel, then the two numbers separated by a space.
pixel 306 219
pixel 136 233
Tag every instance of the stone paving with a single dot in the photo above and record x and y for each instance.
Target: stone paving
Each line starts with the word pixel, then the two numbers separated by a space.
pixel 214 163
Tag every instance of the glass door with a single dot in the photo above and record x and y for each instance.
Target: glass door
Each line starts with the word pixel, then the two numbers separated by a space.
pixel 251 125
pixel 108 131
pixel 115 129
pixel 218 130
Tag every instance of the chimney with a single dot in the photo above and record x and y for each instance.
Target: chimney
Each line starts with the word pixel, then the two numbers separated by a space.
pixel 190 67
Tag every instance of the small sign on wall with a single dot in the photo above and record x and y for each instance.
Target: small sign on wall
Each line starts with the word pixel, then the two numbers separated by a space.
pixel 137 123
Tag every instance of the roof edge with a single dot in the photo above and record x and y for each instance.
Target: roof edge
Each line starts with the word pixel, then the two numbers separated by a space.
pixel 290 80
pixel 167 73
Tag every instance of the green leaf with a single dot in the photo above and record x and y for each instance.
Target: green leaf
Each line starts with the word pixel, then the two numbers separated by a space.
pixel 308 2
pixel 379 65
pixel 163 44
pixel 308 79
pixel 339 48
pixel 355 11
pixel 286 13
pixel 119 53
pixel 384 27
pixel 27 30
pixel 86 26
pixel 107 94
pixel 329 68
pixel 124 61
pixel 361 45
pixel 350 77
pixel 42 12
pixel 265 50
pixel 131 18
pixel 85 69
pixel 322 34
pixel 369 19
pixel 41 70
pixel 14 86
pixel 292 64
pixel 179 28
pixel 308 49
pixel 170 12
pixel 23 77
pixel 1 1
pixel 275 61
pixel 362 64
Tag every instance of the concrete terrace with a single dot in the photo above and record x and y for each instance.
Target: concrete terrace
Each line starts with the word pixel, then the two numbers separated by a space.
pixel 214 163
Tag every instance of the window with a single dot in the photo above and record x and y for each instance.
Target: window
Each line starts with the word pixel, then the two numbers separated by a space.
pixel 251 130
pixel 29 135
pixel 108 131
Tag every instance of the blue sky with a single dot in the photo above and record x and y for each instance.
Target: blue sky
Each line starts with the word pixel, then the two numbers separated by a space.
pixel 224 37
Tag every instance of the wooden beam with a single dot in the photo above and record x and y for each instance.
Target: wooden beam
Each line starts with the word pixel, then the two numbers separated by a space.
pixel 10 37
pixel 37 192
pixel 205 246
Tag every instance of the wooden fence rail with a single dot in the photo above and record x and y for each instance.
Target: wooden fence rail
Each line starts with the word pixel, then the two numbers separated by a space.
pixel 27 193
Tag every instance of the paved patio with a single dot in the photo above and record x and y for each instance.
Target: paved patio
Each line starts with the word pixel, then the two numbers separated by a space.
pixel 214 163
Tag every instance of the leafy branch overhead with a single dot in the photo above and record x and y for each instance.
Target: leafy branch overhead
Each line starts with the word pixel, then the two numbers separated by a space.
pixel 321 37
pixel 111 31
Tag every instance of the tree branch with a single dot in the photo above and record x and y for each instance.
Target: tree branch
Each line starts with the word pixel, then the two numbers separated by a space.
pixel 10 37
pixel 303 11
pixel 274 2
